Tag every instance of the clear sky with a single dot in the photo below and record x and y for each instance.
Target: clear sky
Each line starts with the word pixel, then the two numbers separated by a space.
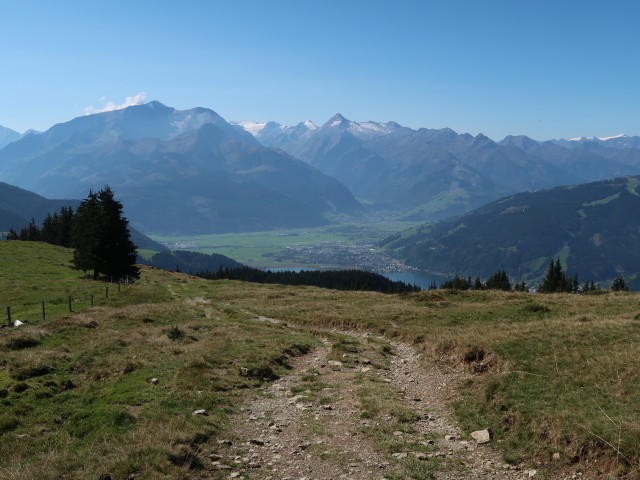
pixel 547 69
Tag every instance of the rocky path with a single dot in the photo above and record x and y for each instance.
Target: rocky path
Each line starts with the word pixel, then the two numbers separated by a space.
pixel 360 407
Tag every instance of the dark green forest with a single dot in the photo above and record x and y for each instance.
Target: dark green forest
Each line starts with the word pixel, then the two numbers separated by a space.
pixel 335 279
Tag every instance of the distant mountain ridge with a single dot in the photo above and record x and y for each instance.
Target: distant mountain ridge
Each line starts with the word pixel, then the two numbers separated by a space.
pixel 436 173
pixel 176 171
pixel 593 227
pixel 18 207
pixel 7 136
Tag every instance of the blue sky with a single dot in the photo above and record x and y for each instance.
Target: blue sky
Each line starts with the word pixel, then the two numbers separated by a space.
pixel 541 68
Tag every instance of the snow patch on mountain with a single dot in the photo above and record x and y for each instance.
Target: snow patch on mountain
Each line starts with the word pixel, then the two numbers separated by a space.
pixel 602 139
pixel 254 128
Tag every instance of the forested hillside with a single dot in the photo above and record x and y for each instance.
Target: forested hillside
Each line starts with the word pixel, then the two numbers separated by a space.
pixel 593 228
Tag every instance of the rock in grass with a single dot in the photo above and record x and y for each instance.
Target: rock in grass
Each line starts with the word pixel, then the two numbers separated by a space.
pixel 481 436
pixel 202 411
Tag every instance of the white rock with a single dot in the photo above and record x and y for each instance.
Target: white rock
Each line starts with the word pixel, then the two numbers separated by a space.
pixel 481 436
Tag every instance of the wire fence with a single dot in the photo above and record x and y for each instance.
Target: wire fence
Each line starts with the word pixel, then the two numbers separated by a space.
pixel 38 312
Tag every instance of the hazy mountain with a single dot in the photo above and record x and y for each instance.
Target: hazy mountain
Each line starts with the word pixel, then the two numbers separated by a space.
pixel 431 173
pixel 19 206
pixel 7 136
pixel 592 227
pixel 436 173
pixel 616 141
pixel 176 171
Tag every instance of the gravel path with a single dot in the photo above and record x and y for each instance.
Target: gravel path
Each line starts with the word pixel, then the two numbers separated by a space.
pixel 359 407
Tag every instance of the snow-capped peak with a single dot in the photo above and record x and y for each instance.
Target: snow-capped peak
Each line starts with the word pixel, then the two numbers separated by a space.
pixel 604 139
pixel 310 125
pixel 253 128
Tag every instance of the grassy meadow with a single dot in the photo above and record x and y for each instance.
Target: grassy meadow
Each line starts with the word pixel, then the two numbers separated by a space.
pixel 260 249
pixel 554 377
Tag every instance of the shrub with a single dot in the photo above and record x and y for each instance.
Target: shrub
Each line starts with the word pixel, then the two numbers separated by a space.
pixel 174 333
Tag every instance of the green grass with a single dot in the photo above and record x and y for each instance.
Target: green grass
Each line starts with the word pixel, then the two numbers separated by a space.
pixel 76 389
pixel 548 373
pixel 602 201
pixel 259 249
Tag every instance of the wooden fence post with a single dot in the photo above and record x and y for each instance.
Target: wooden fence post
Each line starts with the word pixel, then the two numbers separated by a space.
pixel 69 303
pixel 8 316
pixel 107 292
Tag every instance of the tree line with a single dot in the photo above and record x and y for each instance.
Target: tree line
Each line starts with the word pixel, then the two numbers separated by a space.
pixel 335 279
pixel 556 280
pixel 97 231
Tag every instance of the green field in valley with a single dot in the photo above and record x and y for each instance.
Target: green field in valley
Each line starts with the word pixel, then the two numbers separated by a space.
pixel 269 249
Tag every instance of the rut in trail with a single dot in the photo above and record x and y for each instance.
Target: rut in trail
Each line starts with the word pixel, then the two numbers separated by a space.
pixel 360 407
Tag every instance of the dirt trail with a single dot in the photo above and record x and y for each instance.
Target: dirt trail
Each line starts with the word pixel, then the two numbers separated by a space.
pixel 359 407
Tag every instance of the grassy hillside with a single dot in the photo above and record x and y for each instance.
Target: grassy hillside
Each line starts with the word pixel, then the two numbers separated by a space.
pixel 547 374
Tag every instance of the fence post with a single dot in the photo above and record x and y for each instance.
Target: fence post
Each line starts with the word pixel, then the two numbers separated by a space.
pixel 43 314
pixel 70 303
pixel 8 316
pixel 106 295
pixel 118 287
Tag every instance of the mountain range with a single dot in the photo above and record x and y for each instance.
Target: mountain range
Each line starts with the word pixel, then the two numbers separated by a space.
pixel 592 227
pixel 176 171
pixel 431 174
pixel 190 171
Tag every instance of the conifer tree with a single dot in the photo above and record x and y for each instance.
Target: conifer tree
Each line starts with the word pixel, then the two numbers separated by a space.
pixel 499 281
pixel 100 236
pixel 619 285
pixel 556 281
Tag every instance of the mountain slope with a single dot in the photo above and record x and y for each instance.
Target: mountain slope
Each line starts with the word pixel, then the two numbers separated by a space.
pixel 176 171
pixel 432 174
pixel 19 206
pixel 7 136
pixel 592 227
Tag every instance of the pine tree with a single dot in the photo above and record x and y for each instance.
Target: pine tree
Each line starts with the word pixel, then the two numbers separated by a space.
pixel 556 281
pixel 499 281
pixel 100 236
pixel 619 285
pixel 521 287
